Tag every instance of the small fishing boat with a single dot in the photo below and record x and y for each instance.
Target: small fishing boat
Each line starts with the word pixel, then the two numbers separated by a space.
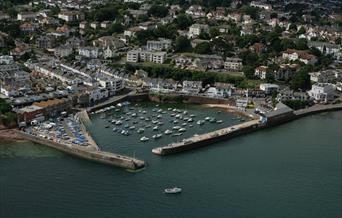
pixel 132 127
pixel 182 130
pixel 126 126
pixel 219 121
pixel 177 134
pixel 200 122
pixel 176 127
pixel 144 139
pixel 156 128
pixel 207 118
pixel 184 124
pixel 157 136
pixel 140 130
pixel 118 122
pixel 174 190
pixel 168 132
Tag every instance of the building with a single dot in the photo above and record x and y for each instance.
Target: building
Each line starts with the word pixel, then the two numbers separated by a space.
pixel 196 29
pixel 89 52
pixel 135 56
pixel 269 88
pixel 24 16
pixel 224 90
pixel 95 25
pixel 27 114
pixel 325 47
pixel 27 27
pixel 105 24
pixel 286 71
pixel 192 87
pixel 261 72
pixel 234 64
pixel 303 56
pixel 70 16
pixel 261 5
pixel 322 92
pixel 158 45
pixel 54 107
pixel 63 51
pixel 287 95
pixel 326 76
pixel 195 11
pixel 46 42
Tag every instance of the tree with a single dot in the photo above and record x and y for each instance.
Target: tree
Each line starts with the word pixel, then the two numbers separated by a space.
pixel 203 48
pixel 301 80
pixel 182 44
pixel 301 44
pixel 248 72
pixel 214 31
pixel 158 11
pixel 116 28
pixel 274 15
pixel 183 21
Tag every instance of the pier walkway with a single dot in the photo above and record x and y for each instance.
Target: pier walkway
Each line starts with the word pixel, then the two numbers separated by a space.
pixel 207 138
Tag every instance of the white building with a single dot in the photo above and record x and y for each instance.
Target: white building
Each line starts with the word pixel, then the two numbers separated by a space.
pixel 158 45
pixel 89 52
pixel 24 16
pixel 192 87
pixel 233 64
pixel 322 92
pixel 269 88
pixel 135 56
pixel 196 29
pixel 303 56
pixel 63 51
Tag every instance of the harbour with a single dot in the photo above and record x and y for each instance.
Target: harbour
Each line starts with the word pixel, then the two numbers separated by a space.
pixel 298 161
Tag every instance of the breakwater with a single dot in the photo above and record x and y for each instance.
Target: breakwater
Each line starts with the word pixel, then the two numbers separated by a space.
pixel 84 153
pixel 208 138
pixel 240 129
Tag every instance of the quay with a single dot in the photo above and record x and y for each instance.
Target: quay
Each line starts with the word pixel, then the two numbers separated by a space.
pixel 77 141
pixel 283 115
pixel 208 138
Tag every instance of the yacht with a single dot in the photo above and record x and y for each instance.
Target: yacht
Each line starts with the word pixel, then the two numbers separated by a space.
pixel 157 136
pixel 144 139
pixel 174 190
pixel 182 130
pixel 140 130
pixel 168 132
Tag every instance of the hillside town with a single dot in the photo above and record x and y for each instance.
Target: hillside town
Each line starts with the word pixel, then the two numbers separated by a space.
pixel 58 55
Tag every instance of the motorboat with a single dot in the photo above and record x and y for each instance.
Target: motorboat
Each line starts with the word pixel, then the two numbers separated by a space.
pixel 132 127
pixel 156 128
pixel 144 139
pixel 174 190
pixel 177 134
pixel 182 130
pixel 157 136
pixel 200 122
pixel 140 130
pixel 176 127
pixel 207 118
pixel 168 132
pixel 219 121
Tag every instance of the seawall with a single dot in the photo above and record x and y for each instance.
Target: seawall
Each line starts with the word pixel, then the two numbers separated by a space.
pixel 240 129
pixel 96 156
pixel 190 99
pixel 208 138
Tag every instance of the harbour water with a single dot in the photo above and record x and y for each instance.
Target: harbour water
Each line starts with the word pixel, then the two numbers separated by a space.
pixel 292 170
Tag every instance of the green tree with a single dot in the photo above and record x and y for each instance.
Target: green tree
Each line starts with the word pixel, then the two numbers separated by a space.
pixel 182 44
pixel 301 80
pixel 214 31
pixel 183 21
pixel 203 48
pixel 158 11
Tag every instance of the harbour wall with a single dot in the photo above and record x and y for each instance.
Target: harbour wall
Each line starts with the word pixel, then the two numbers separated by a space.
pixel 190 99
pixel 96 156
pixel 241 129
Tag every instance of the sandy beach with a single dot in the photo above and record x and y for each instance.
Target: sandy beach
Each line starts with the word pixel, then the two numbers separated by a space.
pixel 10 135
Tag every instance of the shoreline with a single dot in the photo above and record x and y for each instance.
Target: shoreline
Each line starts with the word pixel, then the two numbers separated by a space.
pixel 11 135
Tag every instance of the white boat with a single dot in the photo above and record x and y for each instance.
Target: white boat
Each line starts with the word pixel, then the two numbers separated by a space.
pixel 190 120
pixel 176 127
pixel 144 139
pixel 159 116
pixel 160 123
pixel 207 118
pixel 177 134
pixel 156 128
pixel 174 190
pixel 168 132
pixel 140 130
pixel 154 121
pixel 219 121
pixel 157 136
pixel 132 127
pixel 200 122
pixel 182 130
pixel 184 124
pixel 118 122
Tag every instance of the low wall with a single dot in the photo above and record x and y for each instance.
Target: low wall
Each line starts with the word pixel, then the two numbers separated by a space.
pixel 171 98
pixel 96 156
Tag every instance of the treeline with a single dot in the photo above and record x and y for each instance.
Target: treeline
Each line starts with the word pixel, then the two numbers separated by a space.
pixel 7 117
pixel 165 72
